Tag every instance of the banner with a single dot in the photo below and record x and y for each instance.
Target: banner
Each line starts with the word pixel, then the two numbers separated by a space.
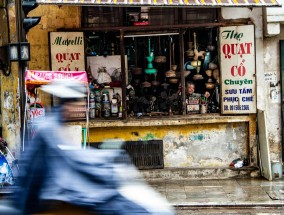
pixel 44 77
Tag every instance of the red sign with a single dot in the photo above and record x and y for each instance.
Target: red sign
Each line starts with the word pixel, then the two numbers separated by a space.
pixel 141 23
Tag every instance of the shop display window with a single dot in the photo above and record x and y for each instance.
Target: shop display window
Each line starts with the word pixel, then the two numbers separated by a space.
pixel 142 62
pixel 156 77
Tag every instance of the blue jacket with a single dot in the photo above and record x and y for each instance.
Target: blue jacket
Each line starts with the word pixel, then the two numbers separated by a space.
pixel 95 180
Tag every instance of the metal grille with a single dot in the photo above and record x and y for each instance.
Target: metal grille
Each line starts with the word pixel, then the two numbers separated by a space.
pixel 102 16
pixel 119 16
pixel 146 154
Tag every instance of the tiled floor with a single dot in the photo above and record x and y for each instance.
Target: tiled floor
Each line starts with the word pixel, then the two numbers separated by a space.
pixel 231 192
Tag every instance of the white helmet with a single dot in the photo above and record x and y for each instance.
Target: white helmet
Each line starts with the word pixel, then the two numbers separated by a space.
pixel 66 89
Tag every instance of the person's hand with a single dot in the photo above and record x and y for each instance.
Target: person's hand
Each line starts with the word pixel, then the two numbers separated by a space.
pixel 206 94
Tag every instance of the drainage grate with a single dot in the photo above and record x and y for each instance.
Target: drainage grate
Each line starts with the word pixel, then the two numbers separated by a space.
pixel 146 154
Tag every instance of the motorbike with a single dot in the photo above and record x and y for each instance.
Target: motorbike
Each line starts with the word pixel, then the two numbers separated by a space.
pixel 60 179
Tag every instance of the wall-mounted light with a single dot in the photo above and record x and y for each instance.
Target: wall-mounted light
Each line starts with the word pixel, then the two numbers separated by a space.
pixel 5 68
pixel 19 51
pixel 4 62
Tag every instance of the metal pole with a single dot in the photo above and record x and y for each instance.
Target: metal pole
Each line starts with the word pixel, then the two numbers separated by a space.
pixel 22 66
pixel 123 74
pixel 182 77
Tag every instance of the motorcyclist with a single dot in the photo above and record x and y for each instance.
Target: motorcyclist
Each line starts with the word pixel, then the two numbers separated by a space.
pixel 56 176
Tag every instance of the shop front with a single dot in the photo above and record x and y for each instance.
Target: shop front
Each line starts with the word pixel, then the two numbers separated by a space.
pixel 177 85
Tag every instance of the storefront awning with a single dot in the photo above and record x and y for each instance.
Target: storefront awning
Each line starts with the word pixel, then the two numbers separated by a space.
pixel 36 77
pixel 169 3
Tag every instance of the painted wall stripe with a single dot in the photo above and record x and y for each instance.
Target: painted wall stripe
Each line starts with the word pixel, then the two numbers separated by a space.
pixel 168 2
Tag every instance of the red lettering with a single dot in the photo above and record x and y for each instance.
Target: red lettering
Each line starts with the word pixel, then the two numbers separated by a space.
pixel 238 70
pixel 248 45
pixel 241 50
pixel 226 50
pixel 77 56
pixel 241 70
pixel 36 112
pixel 234 71
pixel 236 49
pixel 60 57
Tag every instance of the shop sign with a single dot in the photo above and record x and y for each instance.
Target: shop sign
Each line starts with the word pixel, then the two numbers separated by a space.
pixel 67 51
pixel 237 52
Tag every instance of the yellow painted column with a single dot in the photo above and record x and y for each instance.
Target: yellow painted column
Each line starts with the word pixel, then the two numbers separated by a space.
pixel 52 18
pixel 10 94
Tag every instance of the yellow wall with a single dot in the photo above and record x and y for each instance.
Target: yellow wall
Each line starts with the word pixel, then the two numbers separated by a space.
pixel 52 18
pixel 148 133
pixel 200 145
pixel 10 93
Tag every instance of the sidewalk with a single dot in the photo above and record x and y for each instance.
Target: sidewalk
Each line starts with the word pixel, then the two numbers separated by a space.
pixel 216 192
pixel 222 192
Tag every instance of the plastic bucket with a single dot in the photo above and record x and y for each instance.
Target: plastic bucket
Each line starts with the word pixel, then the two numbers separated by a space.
pixel 276 169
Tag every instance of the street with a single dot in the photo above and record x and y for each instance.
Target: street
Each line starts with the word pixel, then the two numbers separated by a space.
pixel 223 196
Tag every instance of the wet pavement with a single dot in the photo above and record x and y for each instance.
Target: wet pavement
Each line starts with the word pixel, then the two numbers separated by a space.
pixel 222 192
pixel 253 196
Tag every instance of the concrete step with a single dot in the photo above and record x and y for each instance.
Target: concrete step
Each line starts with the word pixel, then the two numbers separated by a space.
pixel 200 173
